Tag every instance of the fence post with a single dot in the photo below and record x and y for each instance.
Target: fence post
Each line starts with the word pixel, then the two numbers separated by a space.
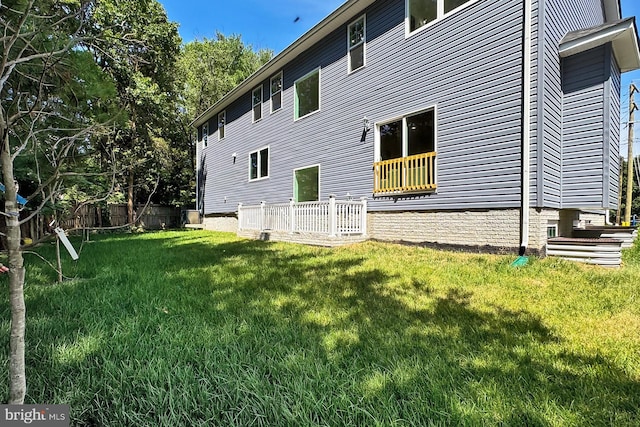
pixel 363 216
pixel 262 206
pixel 240 216
pixel 333 216
pixel 292 216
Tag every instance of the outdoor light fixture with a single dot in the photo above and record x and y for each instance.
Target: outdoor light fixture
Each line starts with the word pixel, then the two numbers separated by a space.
pixel 234 155
pixel 367 127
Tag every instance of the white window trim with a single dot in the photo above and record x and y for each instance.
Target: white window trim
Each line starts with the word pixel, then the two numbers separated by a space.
pixel 224 114
pixel 405 141
pixel 293 180
pixel 440 16
pixel 205 134
pixel 253 118
pixel 364 44
pixel 271 94
pixel 259 178
pixel 295 94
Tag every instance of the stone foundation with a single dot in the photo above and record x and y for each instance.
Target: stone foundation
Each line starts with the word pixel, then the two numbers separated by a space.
pixel 302 238
pixel 486 230
pixel 480 230
pixel 221 223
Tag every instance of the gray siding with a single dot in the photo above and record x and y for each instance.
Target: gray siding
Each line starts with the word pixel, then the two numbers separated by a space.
pixel 583 129
pixel 468 66
pixel 537 24
pixel 560 17
pixel 591 134
pixel 614 129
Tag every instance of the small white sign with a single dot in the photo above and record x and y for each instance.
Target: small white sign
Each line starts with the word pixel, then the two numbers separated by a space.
pixel 67 244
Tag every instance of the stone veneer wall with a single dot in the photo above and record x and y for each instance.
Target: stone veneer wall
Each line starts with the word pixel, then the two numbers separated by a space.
pixel 220 223
pixel 592 219
pixel 485 230
pixel 303 238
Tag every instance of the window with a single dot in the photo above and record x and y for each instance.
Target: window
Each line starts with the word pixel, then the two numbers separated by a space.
pixel 421 12
pixel 405 154
pixel 552 230
pixel 356 43
pixel 306 184
pixel 307 94
pixel 222 120
pixel 256 103
pixel 408 136
pixel 259 164
pixel 276 92
pixel 205 134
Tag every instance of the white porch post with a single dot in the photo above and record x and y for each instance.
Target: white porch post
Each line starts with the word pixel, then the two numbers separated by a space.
pixel 333 216
pixel 292 216
pixel 363 216
pixel 262 203
pixel 240 216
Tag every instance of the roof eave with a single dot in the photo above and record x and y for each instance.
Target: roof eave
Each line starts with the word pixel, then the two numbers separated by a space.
pixel 623 37
pixel 327 25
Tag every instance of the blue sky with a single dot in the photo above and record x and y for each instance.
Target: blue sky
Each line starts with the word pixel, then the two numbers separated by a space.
pixel 272 24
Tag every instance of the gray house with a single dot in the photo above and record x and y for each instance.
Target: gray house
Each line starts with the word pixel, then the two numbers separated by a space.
pixel 477 123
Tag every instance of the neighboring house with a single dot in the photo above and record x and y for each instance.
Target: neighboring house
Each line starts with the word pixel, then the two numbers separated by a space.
pixel 478 123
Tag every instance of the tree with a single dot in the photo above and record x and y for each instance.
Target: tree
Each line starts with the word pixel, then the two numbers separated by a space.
pixel 53 106
pixel 138 46
pixel 211 68
pixel 207 70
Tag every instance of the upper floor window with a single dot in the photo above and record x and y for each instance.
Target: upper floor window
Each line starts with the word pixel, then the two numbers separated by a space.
pixel 276 92
pixel 421 12
pixel 205 134
pixel 256 103
pixel 259 164
pixel 356 43
pixel 307 94
pixel 222 120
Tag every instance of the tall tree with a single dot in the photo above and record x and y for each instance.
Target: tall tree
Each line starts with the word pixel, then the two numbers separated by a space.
pixel 53 105
pixel 209 68
pixel 138 47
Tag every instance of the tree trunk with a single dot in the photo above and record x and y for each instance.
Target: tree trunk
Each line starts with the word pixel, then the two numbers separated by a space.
pixel 17 377
pixel 130 213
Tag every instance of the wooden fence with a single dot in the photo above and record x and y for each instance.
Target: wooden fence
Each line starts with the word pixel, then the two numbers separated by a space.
pixel 115 215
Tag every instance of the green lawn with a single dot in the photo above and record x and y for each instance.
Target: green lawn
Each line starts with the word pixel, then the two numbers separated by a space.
pixel 199 328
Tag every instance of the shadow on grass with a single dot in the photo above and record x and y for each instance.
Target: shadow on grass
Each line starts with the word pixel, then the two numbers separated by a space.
pixel 185 329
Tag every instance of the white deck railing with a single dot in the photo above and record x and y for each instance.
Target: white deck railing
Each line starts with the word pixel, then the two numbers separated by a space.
pixel 332 218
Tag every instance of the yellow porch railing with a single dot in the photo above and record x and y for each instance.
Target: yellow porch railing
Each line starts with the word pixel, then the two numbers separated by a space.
pixel 412 173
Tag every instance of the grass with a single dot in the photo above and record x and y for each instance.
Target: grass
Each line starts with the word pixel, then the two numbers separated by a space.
pixel 204 329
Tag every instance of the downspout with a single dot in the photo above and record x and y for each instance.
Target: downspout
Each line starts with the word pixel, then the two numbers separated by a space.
pixel 526 125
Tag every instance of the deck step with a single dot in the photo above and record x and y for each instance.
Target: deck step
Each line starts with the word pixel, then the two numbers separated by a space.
pixel 606 252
